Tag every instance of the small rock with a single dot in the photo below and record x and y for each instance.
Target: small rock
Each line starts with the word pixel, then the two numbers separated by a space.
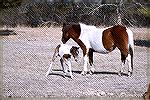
pixel 111 94
pixel 122 94
pixel 101 93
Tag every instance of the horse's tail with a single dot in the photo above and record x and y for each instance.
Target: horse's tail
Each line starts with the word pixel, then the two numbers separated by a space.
pixel 131 52
pixel 131 46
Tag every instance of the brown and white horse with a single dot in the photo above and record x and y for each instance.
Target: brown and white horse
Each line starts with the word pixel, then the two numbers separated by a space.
pixel 102 40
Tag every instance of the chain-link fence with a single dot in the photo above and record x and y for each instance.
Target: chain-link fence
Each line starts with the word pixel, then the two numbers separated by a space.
pixel 40 14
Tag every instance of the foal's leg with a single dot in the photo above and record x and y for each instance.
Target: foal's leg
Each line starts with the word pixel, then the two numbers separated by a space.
pixel 68 63
pixel 49 70
pixel 53 59
pixel 62 61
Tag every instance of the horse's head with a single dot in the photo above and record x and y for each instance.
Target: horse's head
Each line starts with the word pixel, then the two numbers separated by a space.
pixel 75 52
pixel 65 33
pixel 70 31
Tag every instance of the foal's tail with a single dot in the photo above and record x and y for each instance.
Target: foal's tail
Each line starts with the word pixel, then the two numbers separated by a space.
pixel 55 53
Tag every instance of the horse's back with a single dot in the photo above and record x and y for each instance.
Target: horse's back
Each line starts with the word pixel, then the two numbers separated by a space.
pixel 91 36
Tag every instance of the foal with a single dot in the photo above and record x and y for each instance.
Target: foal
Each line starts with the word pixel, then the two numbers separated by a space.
pixel 64 52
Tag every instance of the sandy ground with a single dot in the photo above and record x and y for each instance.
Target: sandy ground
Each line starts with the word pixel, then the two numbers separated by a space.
pixel 27 56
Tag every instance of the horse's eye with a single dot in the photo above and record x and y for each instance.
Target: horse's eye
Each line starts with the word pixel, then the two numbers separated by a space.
pixel 67 34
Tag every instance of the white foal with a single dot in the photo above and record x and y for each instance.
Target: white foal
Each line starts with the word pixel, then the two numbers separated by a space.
pixel 64 52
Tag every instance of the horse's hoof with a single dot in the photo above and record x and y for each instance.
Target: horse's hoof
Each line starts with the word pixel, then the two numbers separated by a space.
pixel 65 74
pixel 91 72
pixel 119 73
pixel 71 76
pixel 83 73
pixel 48 73
pixel 129 74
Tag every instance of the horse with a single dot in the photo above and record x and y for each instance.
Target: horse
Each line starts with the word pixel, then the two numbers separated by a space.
pixel 64 51
pixel 101 40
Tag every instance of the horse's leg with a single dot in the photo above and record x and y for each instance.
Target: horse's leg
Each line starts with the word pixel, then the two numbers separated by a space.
pixel 129 64
pixel 123 59
pixel 84 72
pixel 130 61
pixel 85 58
pixel 91 61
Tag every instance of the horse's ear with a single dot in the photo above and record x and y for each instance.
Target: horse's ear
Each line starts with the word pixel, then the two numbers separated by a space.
pixel 64 24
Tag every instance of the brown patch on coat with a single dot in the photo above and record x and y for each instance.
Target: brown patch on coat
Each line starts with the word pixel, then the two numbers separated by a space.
pixel 74 51
pixel 116 37
pixel 67 56
pixel 107 39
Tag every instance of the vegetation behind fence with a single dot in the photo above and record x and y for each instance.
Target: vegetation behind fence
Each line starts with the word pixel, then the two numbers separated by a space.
pixel 34 14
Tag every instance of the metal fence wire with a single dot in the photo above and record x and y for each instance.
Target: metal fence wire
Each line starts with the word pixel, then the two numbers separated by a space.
pixel 37 14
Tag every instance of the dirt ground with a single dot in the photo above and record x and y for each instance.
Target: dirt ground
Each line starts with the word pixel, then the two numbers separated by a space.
pixel 27 56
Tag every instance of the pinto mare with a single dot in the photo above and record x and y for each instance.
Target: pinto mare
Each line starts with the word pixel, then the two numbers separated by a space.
pixel 64 51
pixel 102 40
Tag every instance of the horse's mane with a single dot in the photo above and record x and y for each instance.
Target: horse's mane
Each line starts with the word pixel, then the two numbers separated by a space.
pixel 119 27
pixel 67 26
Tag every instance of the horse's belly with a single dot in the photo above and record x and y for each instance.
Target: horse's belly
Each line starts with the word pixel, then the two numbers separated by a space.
pixel 98 47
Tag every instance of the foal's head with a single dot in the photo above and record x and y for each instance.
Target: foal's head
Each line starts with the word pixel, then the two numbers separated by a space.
pixel 75 52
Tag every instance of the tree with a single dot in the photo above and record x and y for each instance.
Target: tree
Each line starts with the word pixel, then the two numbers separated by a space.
pixel 9 3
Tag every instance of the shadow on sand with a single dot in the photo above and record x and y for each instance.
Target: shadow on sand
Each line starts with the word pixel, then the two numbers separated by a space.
pixel 145 43
pixel 7 32
pixel 102 72
pixel 57 72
